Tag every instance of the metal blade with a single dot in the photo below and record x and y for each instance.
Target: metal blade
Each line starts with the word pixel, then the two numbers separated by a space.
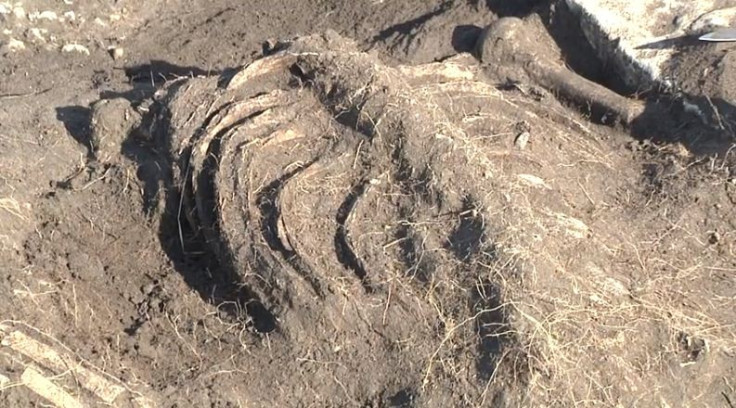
pixel 722 35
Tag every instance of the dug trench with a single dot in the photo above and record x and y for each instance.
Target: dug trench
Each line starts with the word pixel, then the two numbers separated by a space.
pixel 353 232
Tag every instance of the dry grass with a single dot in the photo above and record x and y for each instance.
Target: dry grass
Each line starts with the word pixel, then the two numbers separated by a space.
pixel 63 364
pixel 609 320
pixel 604 301
pixel 610 311
pixel 13 207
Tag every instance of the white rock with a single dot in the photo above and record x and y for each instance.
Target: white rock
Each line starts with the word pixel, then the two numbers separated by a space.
pixel 43 15
pixel 72 47
pixel 19 12
pixel 572 226
pixel 38 33
pixel 534 181
pixel 522 140
pixel 116 52
pixel 16 45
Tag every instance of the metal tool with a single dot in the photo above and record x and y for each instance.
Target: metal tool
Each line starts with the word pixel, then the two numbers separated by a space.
pixel 720 35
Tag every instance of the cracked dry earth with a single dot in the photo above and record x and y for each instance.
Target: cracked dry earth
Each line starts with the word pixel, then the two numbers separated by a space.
pixel 325 227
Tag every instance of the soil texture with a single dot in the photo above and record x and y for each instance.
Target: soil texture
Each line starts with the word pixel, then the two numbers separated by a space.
pixel 358 204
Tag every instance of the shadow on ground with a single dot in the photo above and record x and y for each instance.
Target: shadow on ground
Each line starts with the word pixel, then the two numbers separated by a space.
pixel 515 8
pixel 408 26
pixel 76 120
pixel 709 131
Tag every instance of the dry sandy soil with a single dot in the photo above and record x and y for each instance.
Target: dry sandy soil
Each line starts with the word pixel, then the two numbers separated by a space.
pixel 368 203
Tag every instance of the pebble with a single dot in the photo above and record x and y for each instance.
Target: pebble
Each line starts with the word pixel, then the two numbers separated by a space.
pixel 116 53
pixel 75 48
pixel 16 45
pixel 714 238
pixel 148 288
pixel 19 12
pixel 522 140
pixel 43 15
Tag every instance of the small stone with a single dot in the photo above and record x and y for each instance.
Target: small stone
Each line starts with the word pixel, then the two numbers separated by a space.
pixel 522 140
pixel 714 238
pixel 116 53
pixel 43 15
pixel 38 34
pixel 19 12
pixel 15 45
pixel 112 122
pixel 75 48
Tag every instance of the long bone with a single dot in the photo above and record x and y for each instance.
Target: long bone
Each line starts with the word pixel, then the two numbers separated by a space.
pixel 506 48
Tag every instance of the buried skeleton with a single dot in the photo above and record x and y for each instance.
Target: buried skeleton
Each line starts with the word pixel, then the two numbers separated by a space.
pixel 349 201
pixel 367 213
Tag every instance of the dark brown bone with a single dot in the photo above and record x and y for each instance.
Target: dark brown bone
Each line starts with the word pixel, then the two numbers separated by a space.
pixel 505 47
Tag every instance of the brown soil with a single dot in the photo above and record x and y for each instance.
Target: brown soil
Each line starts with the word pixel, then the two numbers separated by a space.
pixel 330 203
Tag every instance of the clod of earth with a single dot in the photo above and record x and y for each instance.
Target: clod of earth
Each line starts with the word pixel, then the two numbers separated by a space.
pixel 112 121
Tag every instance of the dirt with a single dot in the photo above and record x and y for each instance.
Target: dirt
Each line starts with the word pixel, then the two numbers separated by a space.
pixel 338 204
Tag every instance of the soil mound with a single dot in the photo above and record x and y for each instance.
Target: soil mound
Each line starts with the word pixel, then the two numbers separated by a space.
pixel 373 213
pixel 341 195
pixel 198 212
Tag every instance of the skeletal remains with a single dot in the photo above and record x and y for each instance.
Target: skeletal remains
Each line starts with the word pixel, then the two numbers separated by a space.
pixel 364 209
pixel 315 141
